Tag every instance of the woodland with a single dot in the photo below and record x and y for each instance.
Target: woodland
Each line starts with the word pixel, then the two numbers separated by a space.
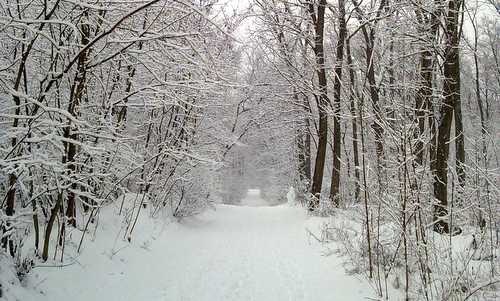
pixel 380 116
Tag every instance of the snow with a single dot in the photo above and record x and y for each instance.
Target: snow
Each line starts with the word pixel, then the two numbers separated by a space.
pixel 247 252
pixel 10 286
pixel 253 199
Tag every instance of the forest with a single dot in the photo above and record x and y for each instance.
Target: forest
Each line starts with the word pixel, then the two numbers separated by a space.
pixel 371 125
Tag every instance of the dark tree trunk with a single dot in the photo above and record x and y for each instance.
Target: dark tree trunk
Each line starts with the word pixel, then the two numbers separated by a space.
pixel 71 147
pixel 352 99
pixel 421 100
pixel 307 151
pixel 429 23
pixel 377 124
pixel 337 87
pixel 7 242
pixel 459 136
pixel 307 128
pixel 48 230
pixel 322 99
pixel 307 145
pixel 300 154
pixel 451 91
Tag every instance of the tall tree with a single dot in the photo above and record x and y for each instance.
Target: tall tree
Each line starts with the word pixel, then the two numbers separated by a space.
pixel 428 25
pixel 317 14
pixel 451 99
pixel 337 89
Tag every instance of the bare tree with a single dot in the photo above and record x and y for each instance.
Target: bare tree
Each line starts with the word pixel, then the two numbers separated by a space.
pixel 317 14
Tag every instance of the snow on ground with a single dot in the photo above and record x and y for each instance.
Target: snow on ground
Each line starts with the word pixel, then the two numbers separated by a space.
pixel 247 252
pixel 10 286
pixel 253 199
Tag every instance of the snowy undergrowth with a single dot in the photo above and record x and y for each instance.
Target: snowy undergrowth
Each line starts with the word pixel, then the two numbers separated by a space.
pixel 108 245
pixel 11 287
pixel 458 267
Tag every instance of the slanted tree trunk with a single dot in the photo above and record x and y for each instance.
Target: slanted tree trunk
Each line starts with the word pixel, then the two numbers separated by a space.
pixel 451 94
pixel 48 229
pixel 337 87
pixel 318 19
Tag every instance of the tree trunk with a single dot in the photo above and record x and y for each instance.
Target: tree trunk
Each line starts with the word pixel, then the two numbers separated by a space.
pixel 337 87
pixel 451 91
pixel 322 100
pixel 8 243
pixel 307 151
pixel 423 97
pixel 352 99
pixel 459 136
pixel 50 225
pixel 421 100
pixel 307 126
pixel 71 148
pixel 377 124
pixel 303 141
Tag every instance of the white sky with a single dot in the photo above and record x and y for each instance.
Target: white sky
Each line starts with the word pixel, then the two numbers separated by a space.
pixel 230 7
pixel 237 6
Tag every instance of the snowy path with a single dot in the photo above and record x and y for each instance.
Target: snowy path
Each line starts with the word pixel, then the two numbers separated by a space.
pixel 235 253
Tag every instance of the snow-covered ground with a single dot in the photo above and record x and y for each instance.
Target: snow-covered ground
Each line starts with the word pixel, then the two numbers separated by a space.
pixel 247 252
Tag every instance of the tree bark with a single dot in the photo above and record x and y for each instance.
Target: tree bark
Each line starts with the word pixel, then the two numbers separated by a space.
pixel 71 147
pixel 421 100
pixel 322 99
pixel 337 87
pixel 48 230
pixel 451 93
pixel 352 99
pixel 377 124
pixel 307 151
pixel 459 136
pixel 429 23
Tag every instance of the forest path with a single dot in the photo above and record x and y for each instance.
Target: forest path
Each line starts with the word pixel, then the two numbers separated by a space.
pixel 255 252
pixel 247 252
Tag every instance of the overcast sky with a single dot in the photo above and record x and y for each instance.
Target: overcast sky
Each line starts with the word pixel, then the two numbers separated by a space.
pixel 231 6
